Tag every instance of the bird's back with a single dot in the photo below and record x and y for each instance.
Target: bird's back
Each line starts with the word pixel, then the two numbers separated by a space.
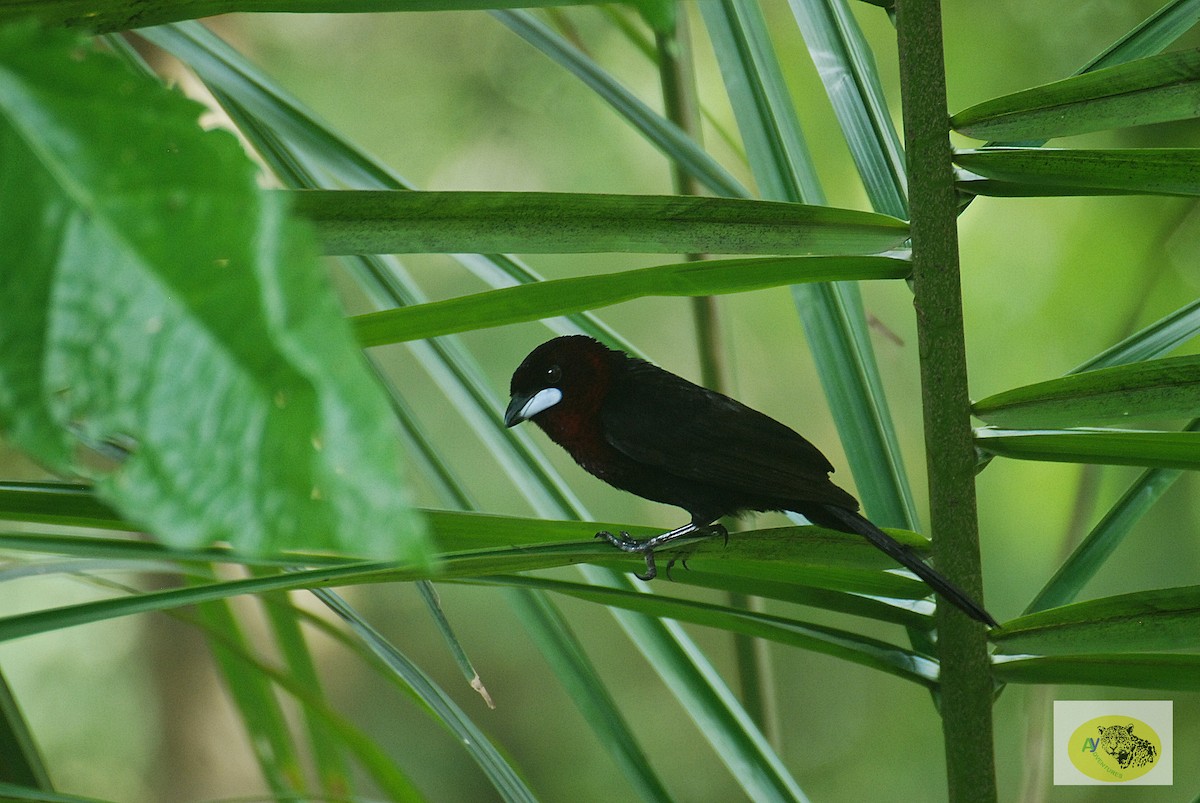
pixel 747 459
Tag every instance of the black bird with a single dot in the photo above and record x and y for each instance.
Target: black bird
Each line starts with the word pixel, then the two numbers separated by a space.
pixel 657 435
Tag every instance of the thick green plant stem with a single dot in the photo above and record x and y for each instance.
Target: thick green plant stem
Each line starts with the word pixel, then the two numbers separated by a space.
pixel 966 684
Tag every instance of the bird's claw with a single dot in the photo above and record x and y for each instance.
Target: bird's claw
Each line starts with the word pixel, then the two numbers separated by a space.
pixel 627 543
pixel 682 561
pixel 622 541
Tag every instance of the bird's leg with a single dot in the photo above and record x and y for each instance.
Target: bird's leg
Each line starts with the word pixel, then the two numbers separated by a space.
pixel 625 543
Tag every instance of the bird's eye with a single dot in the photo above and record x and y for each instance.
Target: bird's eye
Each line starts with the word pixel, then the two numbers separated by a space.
pixel 553 374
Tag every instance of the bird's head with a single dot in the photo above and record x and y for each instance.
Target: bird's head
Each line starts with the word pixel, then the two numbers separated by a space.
pixel 562 379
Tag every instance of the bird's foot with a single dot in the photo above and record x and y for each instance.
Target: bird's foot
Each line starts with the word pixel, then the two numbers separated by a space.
pixel 626 543
pixel 622 541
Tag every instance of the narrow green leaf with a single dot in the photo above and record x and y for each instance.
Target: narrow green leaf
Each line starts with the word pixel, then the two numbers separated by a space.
pixel 457 531
pixel 433 604
pixel 830 591
pixel 694 681
pixel 268 113
pixel 531 302
pixel 805 565
pixel 847 68
pixel 20 759
pixel 658 14
pixel 1106 536
pixel 1104 446
pixel 315 152
pixel 332 771
pixel 118 550
pixel 832 314
pixel 819 557
pixel 57 503
pixel 813 567
pixel 1167 671
pixel 163 279
pixel 119 15
pixel 830 641
pixel 1149 90
pixel 669 650
pixel 586 688
pixel 374 760
pixel 1048 171
pixel 1166 388
pixel 775 146
pixel 670 139
pixel 1164 619
pixel 375 222
pixel 271 740
pixel 503 776
pixel 14 792
pixel 1153 35
pixel 1157 339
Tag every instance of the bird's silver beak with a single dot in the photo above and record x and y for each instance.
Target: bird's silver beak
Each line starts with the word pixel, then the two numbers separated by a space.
pixel 523 407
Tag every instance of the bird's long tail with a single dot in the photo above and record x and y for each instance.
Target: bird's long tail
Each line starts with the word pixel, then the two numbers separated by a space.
pixel 851 521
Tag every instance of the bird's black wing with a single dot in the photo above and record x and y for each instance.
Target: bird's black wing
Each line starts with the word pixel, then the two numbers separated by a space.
pixel 661 419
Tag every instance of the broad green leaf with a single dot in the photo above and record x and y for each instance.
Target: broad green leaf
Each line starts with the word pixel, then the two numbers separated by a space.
pixel 531 302
pixel 669 649
pixel 1164 619
pixel 1169 671
pixel 304 151
pixel 1166 388
pixel 374 222
pixel 1104 446
pixel 171 334
pixel 1149 90
pixel 1047 171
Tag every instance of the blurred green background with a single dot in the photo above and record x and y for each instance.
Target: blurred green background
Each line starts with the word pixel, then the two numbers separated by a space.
pixel 132 710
